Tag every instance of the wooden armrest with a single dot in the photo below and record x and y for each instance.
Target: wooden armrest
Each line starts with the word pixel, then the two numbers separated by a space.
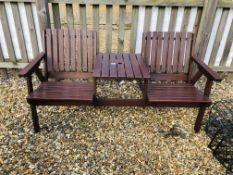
pixel 206 70
pixel 32 66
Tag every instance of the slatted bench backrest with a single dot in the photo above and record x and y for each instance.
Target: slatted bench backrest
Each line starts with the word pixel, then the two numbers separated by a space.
pixel 167 54
pixel 70 52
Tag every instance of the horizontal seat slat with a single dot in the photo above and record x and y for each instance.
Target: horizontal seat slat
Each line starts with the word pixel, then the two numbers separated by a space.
pixel 63 91
pixel 176 93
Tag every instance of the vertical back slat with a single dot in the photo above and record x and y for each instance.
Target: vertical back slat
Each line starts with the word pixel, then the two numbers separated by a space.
pixel 96 24
pixel 165 52
pixel 56 15
pixel 55 50
pixel 154 51
pixel 78 51
pixel 67 49
pixel 148 47
pixel 188 52
pixel 121 32
pixel 159 52
pixel 49 50
pixel 176 52
pixel 72 50
pixel 170 52
pixel 143 46
pixel 182 52
pixel 61 49
pixel 94 47
pixel 90 51
pixel 84 51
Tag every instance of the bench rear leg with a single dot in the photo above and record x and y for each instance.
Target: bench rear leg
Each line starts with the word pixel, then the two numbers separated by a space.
pixel 199 119
pixel 35 119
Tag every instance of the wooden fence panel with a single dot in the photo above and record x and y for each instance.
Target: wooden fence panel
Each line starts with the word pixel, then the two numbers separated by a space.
pixel 212 21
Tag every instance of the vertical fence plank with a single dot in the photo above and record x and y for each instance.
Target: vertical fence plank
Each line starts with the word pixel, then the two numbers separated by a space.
pixel 121 33
pixel 205 27
pixel 134 26
pixel 227 48
pixel 172 24
pixel 154 18
pixel 218 37
pixel 160 19
pixel 83 23
pixel 185 19
pixel 7 35
pixel 166 19
pixel 56 15
pixel 109 28
pixel 213 35
pixel 230 57
pixel 197 21
pixel 17 36
pixel 148 11
pixel 140 27
pixel 96 24
pixel 3 72
pixel 69 16
pixel 31 27
pixel 179 19
pixel 37 27
pixel 43 15
pixel 192 19
pixel 227 26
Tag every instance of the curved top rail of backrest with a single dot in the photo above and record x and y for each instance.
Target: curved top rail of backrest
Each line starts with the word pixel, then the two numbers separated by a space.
pixel 167 52
pixel 70 50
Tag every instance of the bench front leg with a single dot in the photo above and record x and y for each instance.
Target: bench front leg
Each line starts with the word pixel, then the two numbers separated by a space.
pixel 202 109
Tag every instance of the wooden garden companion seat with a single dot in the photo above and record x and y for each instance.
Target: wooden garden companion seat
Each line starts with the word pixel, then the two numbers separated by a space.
pixel 69 54
pixel 170 58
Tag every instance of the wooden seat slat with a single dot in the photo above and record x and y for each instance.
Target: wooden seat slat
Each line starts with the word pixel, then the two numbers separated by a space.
pixel 120 67
pixel 128 67
pixel 176 93
pixel 113 65
pixel 105 65
pixel 135 66
pixel 63 91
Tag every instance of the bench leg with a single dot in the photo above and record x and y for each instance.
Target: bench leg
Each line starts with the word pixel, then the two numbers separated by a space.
pixel 199 119
pixel 35 119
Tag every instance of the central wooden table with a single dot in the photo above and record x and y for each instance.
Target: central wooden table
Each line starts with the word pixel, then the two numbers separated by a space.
pixel 121 66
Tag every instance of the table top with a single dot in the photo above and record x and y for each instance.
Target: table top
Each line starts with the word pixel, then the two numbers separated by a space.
pixel 120 66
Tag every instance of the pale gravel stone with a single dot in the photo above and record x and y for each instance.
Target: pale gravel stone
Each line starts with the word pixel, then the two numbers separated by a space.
pixel 103 140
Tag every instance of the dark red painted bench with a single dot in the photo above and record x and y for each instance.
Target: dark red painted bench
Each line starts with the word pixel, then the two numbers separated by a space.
pixel 171 61
pixel 69 54
pixel 166 58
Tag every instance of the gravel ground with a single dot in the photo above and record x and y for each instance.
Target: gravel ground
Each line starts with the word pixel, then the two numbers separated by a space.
pixel 103 140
